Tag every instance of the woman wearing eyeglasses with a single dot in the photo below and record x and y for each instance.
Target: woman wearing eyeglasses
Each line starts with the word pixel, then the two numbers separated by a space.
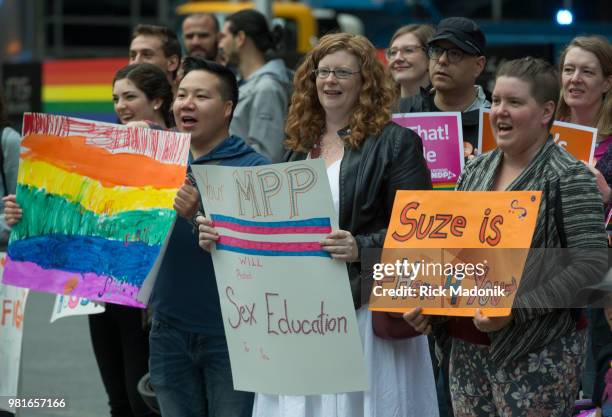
pixel 407 58
pixel 586 99
pixel 340 112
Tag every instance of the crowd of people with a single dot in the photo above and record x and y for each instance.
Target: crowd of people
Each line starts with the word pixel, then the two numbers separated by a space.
pixel 243 107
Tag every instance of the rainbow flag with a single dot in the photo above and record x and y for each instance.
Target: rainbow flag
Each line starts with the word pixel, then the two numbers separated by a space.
pixel 97 206
pixel 80 87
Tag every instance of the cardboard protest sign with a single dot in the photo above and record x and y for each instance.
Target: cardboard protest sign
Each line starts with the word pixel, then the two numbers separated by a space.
pixel 12 308
pixel 453 252
pixel 97 207
pixel 287 307
pixel 578 140
pixel 69 305
pixel 442 137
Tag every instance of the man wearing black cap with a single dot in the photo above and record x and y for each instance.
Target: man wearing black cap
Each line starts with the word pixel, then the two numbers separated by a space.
pixel 456 59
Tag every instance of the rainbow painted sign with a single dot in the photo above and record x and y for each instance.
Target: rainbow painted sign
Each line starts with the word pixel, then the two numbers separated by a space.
pixel 97 207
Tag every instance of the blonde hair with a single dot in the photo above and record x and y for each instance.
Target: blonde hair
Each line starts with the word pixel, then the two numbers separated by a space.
pixel 601 48
pixel 423 33
pixel 306 118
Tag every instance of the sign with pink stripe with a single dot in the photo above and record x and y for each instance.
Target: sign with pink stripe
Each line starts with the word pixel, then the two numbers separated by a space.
pixel 283 298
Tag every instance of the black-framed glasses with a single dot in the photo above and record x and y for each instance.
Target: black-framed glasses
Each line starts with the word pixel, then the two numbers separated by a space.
pixel 453 55
pixel 340 73
pixel 404 50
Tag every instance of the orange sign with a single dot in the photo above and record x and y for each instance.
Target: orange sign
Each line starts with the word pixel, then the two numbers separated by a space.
pixel 456 251
pixel 578 140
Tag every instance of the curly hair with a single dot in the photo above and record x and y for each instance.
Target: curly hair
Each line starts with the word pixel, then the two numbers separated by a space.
pixel 306 118
pixel 602 49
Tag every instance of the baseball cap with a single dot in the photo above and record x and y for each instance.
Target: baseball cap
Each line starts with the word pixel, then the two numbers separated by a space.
pixel 463 33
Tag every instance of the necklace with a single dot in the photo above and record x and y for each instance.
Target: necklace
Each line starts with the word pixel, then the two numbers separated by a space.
pixel 332 150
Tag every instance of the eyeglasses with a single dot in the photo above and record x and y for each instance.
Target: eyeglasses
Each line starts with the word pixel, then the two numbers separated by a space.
pixel 404 50
pixel 340 73
pixel 453 55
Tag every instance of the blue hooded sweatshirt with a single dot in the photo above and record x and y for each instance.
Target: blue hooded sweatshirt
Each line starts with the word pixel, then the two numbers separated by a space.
pixel 185 293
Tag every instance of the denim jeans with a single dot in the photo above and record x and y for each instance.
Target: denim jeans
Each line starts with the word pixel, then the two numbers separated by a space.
pixel 192 376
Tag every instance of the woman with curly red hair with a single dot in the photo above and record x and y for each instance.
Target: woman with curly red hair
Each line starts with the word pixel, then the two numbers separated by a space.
pixel 340 112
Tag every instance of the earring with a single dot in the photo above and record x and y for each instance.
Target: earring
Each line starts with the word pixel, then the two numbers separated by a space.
pixel 155 108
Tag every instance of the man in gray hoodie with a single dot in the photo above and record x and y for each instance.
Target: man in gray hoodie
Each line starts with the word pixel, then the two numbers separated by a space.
pixel 265 87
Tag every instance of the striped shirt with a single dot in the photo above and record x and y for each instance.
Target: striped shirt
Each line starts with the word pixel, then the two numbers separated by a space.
pixel 570 216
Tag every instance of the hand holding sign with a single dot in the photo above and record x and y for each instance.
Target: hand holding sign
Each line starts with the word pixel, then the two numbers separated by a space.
pixel 419 321
pixel 12 210
pixel 341 245
pixel 490 324
pixel 187 200
pixel 207 233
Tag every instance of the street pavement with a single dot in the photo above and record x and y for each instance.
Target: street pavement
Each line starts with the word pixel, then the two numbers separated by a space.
pixel 58 362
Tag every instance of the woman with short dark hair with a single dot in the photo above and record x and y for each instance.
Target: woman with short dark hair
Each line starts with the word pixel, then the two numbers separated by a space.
pixel 530 362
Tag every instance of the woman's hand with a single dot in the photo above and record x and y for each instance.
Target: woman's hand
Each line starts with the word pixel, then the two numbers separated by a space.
pixel 490 324
pixel 187 201
pixel 420 322
pixel 207 234
pixel 12 210
pixel 341 245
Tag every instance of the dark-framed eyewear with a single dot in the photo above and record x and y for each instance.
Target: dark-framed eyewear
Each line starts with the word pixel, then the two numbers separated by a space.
pixel 453 55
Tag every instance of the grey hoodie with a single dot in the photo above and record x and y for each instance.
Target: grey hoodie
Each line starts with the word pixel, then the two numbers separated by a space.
pixel 262 107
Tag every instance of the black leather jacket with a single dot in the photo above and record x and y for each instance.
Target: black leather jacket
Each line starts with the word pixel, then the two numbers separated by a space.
pixel 369 177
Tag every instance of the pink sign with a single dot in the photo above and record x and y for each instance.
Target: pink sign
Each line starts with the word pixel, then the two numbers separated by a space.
pixel 442 138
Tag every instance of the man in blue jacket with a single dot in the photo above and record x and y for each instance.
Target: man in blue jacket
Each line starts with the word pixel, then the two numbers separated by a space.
pixel 189 360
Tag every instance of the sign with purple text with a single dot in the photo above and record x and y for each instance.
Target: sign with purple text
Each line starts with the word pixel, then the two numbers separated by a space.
pixel 442 138
pixel 287 308
pixel 97 202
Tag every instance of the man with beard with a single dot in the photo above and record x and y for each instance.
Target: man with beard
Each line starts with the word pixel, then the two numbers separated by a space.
pixel 201 35
pixel 266 86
